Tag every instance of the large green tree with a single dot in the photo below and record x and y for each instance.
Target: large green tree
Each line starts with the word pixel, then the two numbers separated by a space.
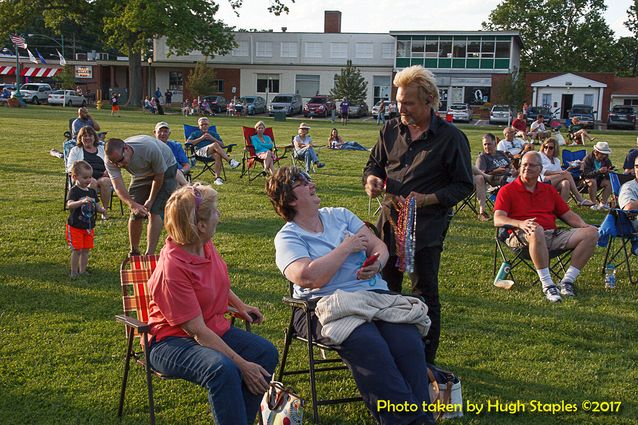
pixel 351 84
pixel 130 26
pixel 628 46
pixel 558 35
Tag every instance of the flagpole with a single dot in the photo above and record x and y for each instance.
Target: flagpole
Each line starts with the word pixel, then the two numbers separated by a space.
pixel 18 95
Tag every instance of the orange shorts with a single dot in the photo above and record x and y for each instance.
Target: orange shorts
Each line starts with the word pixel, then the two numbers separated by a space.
pixel 79 238
pixel 115 108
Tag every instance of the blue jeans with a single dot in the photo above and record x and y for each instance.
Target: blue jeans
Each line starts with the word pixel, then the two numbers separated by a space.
pixel 230 400
pixel 309 156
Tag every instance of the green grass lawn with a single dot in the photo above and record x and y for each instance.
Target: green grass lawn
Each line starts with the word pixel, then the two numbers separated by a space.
pixel 61 352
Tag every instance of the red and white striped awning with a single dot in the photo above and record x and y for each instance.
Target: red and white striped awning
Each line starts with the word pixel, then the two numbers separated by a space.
pixel 7 70
pixel 40 72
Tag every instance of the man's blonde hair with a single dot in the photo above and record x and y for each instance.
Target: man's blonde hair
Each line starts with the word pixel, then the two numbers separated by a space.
pixel 424 80
pixel 182 214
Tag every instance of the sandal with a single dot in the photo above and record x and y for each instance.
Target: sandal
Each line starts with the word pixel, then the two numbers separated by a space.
pixel 585 203
pixel 483 216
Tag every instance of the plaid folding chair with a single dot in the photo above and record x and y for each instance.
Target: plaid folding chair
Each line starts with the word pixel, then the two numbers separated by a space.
pixel 250 159
pixel 135 272
pixel 206 161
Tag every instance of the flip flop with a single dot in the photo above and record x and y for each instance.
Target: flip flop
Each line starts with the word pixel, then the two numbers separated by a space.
pixel 586 203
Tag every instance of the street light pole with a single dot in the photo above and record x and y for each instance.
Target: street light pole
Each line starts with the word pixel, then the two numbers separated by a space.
pixel 52 39
pixel 150 62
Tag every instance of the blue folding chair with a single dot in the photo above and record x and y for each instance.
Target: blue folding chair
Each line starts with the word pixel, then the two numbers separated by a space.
pixel 207 162
pixel 618 227
pixel 569 157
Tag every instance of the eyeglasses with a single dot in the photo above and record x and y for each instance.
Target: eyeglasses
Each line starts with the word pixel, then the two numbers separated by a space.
pixel 303 178
pixel 119 162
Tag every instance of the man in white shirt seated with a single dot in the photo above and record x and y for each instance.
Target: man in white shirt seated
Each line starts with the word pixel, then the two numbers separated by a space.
pixel 510 144
pixel 537 130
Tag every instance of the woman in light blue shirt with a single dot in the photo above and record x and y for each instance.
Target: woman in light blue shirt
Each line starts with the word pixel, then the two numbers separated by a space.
pixel 263 145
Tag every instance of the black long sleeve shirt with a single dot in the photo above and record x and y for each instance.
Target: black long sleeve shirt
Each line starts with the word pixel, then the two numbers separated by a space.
pixel 438 162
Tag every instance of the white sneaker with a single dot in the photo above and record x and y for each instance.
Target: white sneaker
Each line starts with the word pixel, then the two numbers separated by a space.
pixel 551 293
pixel 234 163
pixel 218 181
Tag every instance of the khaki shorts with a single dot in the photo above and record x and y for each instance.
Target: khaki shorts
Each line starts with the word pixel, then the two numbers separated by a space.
pixel 555 239
pixel 140 188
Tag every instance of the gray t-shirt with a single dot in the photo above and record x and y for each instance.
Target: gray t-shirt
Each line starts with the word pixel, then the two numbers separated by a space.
pixel 488 163
pixel 628 193
pixel 150 156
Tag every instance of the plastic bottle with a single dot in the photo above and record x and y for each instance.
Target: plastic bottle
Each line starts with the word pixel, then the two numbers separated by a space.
pixel 503 271
pixel 610 276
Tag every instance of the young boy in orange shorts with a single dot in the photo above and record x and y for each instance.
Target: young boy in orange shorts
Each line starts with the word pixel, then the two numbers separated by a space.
pixel 82 204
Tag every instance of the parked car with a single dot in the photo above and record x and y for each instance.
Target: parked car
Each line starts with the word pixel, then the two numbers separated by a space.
pixel 8 86
pixel 318 106
pixel 35 93
pixel 621 116
pixel 254 105
pixel 72 98
pixel 585 113
pixel 535 111
pixel 357 110
pixel 500 114
pixel 389 112
pixel 460 112
pixel 290 104
pixel 217 103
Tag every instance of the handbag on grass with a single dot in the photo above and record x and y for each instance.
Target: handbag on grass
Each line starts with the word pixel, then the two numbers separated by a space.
pixel 445 388
pixel 281 406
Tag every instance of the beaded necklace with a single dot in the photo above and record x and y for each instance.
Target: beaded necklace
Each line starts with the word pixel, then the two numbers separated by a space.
pixel 405 233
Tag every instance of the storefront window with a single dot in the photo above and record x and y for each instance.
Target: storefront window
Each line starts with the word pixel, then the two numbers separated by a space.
pixel 175 81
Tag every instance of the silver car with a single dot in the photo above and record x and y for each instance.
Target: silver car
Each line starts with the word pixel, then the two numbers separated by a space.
pixel 460 112
pixel 500 114
pixel 290 104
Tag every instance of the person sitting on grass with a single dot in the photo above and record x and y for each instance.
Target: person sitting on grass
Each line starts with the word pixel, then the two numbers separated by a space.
pixel 537 130
pixel 322 251
pixel 209 145
pixel 82 205
pixel 531 207
pixel 561 179
pixel 336 142
pixel 578 134
pixel 191 292
pixel 595 170
pixel 303 148
pixel 263 145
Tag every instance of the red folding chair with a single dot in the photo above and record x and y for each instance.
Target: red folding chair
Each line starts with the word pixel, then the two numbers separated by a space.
pixel 250 159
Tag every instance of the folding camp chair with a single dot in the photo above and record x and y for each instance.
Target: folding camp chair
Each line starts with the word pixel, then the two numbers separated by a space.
pixel 207 162
pixel 568 158
pixel 250 159
pixel 134 274
pixel 559 259
pixel 617 227
pixel 315 365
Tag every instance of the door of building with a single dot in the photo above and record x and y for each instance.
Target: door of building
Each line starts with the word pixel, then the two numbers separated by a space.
pixel 443 96
pixel 566 102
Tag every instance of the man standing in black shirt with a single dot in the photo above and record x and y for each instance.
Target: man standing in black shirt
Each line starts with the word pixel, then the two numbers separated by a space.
pixel 420 155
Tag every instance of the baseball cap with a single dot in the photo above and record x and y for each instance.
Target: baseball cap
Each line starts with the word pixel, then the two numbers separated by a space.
pixel 161 124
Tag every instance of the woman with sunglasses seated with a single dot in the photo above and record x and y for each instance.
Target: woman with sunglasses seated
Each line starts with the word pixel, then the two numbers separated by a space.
pixel 561 179
pixel 322 251
pixel 192 339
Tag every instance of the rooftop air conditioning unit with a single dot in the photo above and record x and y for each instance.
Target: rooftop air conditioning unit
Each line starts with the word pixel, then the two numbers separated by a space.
pixel 102 56
pixel 80 56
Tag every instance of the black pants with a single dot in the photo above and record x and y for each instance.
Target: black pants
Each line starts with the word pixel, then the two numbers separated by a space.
pixel 425 283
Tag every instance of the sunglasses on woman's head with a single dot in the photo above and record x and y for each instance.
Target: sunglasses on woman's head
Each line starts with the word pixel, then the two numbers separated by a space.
pixel 302 177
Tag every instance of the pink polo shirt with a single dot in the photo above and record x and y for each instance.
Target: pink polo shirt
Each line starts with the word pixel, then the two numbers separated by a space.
pixel 184 286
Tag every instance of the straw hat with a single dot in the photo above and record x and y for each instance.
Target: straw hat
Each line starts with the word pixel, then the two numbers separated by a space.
pixel 160 125
pixel 303 125
pixel 602 147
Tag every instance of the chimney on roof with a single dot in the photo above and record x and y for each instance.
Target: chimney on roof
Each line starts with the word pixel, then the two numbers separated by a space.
pixel 332 21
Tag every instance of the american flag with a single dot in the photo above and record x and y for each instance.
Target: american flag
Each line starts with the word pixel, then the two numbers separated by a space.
pixel 18 41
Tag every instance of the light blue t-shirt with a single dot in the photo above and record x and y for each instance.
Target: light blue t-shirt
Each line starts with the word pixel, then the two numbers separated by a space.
pixel 293 243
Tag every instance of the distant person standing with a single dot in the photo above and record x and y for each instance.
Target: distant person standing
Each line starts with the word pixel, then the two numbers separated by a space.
pixel 158 94
pixel 169 97
pixel 345 110
pixel 115 107
pixel 381 113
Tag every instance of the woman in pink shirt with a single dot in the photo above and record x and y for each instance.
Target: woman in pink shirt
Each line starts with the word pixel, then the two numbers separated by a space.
pixel 192 339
